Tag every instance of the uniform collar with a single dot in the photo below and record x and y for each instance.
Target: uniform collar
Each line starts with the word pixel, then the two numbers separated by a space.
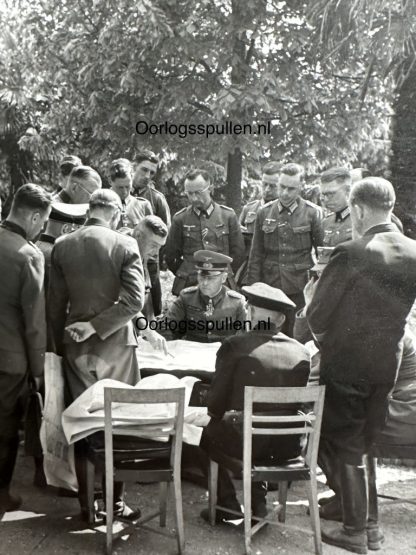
pixel 208 211
pixel 215 300
pixel 291 208
pixel 47 238
pixel 381 228
pixel 341 215
pixel 97 221
pixel 15 228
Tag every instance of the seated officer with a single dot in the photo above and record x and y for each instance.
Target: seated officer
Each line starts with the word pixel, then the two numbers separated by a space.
pixel 209 311
pixel 261 357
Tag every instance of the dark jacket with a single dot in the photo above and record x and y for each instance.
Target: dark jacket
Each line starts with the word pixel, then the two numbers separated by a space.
pixel 99 272
pixel 359 310
pixel 258 358
pixel 22 301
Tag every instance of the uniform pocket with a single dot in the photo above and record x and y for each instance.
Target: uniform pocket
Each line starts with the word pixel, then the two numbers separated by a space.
pixel 302 236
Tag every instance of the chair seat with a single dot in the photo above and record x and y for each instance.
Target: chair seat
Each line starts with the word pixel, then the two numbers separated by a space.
pixel 127 449
pixel 269 469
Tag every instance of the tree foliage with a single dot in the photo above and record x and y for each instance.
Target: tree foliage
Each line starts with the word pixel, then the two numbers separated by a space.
pixel 104 65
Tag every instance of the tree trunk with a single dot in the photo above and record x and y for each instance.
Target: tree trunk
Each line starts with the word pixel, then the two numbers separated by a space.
pixel 238 77
pixel 234 175
pixel 403 160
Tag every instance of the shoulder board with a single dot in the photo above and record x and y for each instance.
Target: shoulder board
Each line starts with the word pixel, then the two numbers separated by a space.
pixel 191 289
pixel 182 210
pixel 311 204
pixel 142 198
pixel 226 207
pixel 234 294
pixel 268 204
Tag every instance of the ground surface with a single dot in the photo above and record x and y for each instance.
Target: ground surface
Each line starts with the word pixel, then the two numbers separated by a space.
pixel 50 525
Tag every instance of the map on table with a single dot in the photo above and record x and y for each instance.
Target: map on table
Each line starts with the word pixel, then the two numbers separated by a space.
pixel 183 355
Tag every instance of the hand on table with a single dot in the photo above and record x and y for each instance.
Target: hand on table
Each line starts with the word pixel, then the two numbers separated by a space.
pixel 80 331
pixel 157 341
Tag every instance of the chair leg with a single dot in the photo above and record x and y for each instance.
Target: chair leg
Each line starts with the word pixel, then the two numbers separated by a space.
pixel 212 490
pixel 247 512
pixel 282 501
pixel 163 502
pixel 312 489
pixel 109 503
pixel 180 534
pixel 90 472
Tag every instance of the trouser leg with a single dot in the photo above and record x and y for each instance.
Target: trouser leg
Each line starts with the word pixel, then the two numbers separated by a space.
pixel 8 455
pixel 258 498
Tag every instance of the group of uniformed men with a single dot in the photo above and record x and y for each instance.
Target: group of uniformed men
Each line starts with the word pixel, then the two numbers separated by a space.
pixel 101 249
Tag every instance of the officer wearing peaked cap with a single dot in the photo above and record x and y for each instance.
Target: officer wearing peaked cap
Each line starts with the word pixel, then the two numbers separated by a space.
pixel 209 301
pixel 63 219
pixel 261 357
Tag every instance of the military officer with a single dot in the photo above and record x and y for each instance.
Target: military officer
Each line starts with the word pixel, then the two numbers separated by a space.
pixel 210 304
pixel 134 209
pixel 63 219
pixel 247 219
pixel 335 188
pixel 269 185
pixel 67 164
pixel 261 357
pixel 204 225
pixel 82 182
pixel 286 230
pixel 144 171
pixel 22 322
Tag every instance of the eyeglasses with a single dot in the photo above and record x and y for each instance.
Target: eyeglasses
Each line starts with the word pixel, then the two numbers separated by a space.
pixel 78 184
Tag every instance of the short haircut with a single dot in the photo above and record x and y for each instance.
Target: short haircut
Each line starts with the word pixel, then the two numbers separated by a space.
pixel 105 199
pixel 339 174
pixel 292 169
pixel 154 224
pixel 120 168
pixel 375 192
pixel 147 155
pixel 31 197
pixel 68 163
pixel 85 173
pixel 194 173
pixel 271 168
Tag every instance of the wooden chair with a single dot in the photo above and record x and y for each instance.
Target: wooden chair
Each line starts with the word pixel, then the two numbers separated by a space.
pixel 142 460
pixel 303 468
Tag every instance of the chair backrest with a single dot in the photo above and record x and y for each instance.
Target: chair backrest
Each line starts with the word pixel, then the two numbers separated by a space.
pixel 309 424
pixel 172 425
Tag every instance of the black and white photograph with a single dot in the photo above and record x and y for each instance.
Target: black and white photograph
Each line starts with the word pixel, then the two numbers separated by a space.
pixel 207 277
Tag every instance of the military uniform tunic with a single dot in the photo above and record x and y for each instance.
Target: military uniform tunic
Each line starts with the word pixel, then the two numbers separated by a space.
pixel 337 228
pixel 192 311
pixel 281 251
pixel 134 210
pixel 216 229
pixel 249 213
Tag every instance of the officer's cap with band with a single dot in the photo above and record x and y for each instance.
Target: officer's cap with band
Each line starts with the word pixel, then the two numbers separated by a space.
pixel 324 254
pixel 209 261
pixel 264 296
pixel 69 213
